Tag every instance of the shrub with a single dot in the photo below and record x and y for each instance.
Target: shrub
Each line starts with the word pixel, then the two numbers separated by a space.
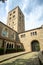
pixel 10 50
pixel 1 51
pixel 20 49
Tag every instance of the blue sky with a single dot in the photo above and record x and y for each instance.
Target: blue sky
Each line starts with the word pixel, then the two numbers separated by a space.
pixel 32 9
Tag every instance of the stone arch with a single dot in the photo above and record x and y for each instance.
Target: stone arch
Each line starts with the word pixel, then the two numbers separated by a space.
pixel 12 45
pixel 7 45
pixel 35 46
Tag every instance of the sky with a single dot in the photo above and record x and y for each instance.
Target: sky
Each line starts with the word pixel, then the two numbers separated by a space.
pixel 32 10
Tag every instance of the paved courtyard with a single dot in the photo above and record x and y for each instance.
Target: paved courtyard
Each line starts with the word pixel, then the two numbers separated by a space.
pixel 20 60
pixel 7 56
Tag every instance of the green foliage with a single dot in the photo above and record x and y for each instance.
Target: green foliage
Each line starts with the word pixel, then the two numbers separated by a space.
pixel 1 51
pixel 10 50
pixel 20 49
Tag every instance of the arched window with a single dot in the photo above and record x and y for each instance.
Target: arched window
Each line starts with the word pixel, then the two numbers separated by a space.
pixel 12 45
pixel 7 45
pixel 12 35
pixel 5 32
pixel 35 33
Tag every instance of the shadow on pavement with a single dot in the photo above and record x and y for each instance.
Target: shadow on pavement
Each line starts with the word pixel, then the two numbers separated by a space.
pixel 34 61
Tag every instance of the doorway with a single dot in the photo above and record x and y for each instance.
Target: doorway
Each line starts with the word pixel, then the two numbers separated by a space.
pixel 35 45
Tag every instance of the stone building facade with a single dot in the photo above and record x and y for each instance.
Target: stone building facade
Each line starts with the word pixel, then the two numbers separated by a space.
pixel 8 37
pixel 13 34
pixel 32 39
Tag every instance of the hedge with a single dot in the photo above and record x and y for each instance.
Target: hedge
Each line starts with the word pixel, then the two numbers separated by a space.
pixel 1 51
pixel 20 49
pixel 10 50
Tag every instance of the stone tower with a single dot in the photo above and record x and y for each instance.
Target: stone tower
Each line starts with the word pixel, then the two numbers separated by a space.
pixel 15 20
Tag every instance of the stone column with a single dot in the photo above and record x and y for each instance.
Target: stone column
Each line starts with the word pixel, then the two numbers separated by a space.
pixel 4 46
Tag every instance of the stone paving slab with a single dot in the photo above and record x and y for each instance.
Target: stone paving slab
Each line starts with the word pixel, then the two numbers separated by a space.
pixel 22 60
pixel 9 56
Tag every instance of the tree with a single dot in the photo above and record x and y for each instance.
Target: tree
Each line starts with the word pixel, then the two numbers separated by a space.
pixel 3 1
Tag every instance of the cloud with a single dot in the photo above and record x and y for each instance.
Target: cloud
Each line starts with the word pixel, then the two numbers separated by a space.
pixel 32 11
pixel 25 2
pixel 32 20
pixel 40 2
pixel 2 12
pixel 13 3
pixel 7 6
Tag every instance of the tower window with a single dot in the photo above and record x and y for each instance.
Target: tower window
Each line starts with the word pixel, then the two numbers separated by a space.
pixel 9 24
pixel 14 12
pixel 10 18
pixel 13 22
pixel 13 16
pixel 10 14
pixel 20 13
pixel 20 18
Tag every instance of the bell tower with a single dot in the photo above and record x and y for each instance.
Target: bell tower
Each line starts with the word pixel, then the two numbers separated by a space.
pixel 15 20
